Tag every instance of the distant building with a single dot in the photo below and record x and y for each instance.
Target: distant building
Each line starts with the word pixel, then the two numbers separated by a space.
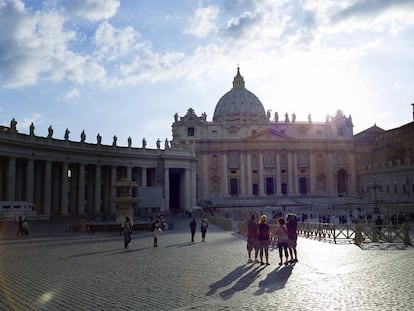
pixel 385 164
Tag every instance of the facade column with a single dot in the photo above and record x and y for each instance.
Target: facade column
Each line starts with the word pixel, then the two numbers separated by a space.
pixel 47 188
pixel 225 175
pixel 312 172
pixel 98 187
pixel 249 174
pixel 351 174
pixel 11 182
pixel 143 176
pixel 278 175
pixel 166 189
pixel 113 189
pixel 30 181
pixel 261 175
pixel 295 173
pixel 242 174
pixel 81 190
pixel 65 189
pixel 330 174
pixel 290 173
pixel 204 182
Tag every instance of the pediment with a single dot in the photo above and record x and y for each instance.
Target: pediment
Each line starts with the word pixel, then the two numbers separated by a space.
pixel 269 134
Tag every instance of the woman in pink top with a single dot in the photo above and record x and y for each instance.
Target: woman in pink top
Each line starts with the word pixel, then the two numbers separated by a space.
pixel 282 240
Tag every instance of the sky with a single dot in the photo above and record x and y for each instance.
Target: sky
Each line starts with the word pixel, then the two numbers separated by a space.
pixel 125 68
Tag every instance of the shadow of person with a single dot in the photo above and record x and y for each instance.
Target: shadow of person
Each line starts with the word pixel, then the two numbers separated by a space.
pixel 242 283
pixel 228 279
pixel 275 280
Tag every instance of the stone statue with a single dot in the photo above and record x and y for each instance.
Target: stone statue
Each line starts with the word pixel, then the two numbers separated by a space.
pixel 309 118
pixel 158 143
pixel 13 125
pixel 98 139
pixel 286 117
pixel 129 141
pixel 276 117
pixel 50 132
pixel 32 129
pixel 114 141
pixel 83 136
pixel 176 117
pixel 268 115
pixel 204 116
pixel 67 134
pixel 144 143
pixel 293 117
pixel 166 144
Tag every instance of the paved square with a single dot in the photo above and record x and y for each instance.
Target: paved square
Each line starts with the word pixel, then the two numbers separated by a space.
pixel 67 271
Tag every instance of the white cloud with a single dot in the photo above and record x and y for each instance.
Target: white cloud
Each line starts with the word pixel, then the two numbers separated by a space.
pixel 72 94
pixel 203 22
pixel 91 10
pixel 36 47
pixel 112 43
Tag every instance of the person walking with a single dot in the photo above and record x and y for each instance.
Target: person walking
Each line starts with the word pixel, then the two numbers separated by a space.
pixel 203 227
pixel 252 233
pixel 20 230
pixel 127 229
pixel 156 230
pixel 193 226
pixel 263 239
pixel 25 227
pixel 292 225
pixel 282 241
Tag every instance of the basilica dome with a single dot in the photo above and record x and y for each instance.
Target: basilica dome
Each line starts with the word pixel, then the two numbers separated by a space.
pixel 239 104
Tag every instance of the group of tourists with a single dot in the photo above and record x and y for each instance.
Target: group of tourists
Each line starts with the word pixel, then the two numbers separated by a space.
pixel 259 235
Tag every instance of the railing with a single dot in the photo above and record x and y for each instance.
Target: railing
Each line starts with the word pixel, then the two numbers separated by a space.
pixel 357 233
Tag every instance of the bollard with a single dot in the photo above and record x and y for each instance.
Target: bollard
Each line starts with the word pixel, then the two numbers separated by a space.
pixel 406 229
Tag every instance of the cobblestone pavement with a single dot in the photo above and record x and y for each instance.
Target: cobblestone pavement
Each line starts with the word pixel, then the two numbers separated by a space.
pixel 67 271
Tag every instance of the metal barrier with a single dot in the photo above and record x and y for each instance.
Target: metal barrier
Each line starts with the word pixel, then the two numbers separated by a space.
pixel 357 233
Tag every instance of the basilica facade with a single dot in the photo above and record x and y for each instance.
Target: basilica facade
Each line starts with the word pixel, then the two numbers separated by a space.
pixel 246 156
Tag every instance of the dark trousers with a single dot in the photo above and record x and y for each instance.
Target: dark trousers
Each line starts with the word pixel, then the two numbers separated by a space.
pixel 127 238
pixel 192 235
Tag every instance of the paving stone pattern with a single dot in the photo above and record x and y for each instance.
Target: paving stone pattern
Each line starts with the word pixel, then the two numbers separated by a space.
pixel 66 271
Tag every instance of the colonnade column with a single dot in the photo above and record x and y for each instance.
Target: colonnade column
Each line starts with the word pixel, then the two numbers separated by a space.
pixel 187 194
pixel 97 199
pixel 113 189
pixel 65 189
pixel 249 174
pixel 81 190
pixel 278 176
pixel 225 175
pixel 143 176
pixel 261 175
pixel 166 189
pixel 242 174
pixel 47 188
pixel 11 184
pixel 194 184
pixel 30 181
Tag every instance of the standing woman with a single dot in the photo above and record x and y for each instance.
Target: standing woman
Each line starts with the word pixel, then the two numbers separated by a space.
pixel 204 226
pixel 263 239
pixel 156 230
pixel 292 225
